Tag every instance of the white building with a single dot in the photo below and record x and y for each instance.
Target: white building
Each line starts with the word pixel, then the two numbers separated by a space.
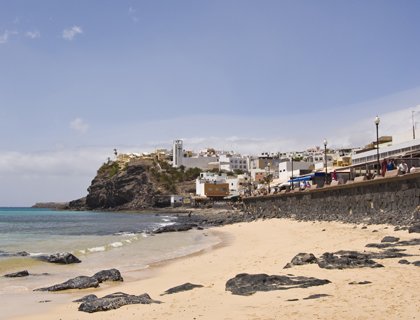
pixel 178 153
pixel 285 169
pixel 206 178
pixel 229 162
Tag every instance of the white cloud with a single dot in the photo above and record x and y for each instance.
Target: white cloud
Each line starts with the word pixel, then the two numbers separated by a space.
pixel 70 33
pixel 33 34
pixel 4 37
pixel 79 125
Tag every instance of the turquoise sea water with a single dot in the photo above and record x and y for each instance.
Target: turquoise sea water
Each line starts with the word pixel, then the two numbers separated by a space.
pixel 102 240
pixel 36 230
pixel 98 238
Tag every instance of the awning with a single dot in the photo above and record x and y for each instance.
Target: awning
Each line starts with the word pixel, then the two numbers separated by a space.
pixel 303 178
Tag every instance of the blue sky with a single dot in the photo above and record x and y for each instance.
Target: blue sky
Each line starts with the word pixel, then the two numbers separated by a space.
pixel 82 77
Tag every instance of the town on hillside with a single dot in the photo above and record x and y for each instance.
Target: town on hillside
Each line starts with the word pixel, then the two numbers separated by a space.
pixel 227 175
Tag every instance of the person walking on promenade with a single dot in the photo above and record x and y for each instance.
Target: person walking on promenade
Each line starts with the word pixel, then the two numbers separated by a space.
pixel 384 167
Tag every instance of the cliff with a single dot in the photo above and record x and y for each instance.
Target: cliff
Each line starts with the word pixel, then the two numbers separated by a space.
pixel 135 185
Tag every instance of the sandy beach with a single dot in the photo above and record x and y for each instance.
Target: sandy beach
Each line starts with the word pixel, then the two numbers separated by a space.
pixel 264 247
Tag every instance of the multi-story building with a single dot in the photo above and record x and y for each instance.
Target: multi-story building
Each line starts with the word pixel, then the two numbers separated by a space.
pixel 177 154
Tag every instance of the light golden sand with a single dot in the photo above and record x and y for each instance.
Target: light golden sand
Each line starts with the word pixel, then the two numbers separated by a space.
pixel 265 247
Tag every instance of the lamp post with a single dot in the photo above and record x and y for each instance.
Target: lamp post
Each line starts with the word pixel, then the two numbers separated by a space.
pixel 293 185
pixel 377 120
pixel 414 124
pixel 325 156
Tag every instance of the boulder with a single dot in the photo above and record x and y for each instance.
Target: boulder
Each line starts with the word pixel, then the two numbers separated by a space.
pixel 105 275
pixel 404 261
pixel 247 284
pixel 114 301
pixel 301 259
pixel 60 258
pixel 390 239
pixel 183 287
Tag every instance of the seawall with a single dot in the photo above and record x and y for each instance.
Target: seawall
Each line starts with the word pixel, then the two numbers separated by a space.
pixel 394 200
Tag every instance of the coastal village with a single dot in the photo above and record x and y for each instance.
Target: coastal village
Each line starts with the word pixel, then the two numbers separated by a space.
pixel 227 175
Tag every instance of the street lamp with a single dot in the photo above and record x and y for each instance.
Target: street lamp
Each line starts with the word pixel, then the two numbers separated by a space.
pixel 325 156
pixel 377 120
pixel 293 185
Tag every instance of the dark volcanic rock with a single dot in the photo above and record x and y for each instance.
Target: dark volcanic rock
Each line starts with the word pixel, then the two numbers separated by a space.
pixel 316 296
pixel 390 239
pixel 81 282
pixel 115 301
pixel 18 274
pixel 84 282
pixel 175 228
pixel 246 284
pixel 183 287
pixel 360 282
pixel 105 275
pixel 412 242
pixel 345 260
pixel 404 261
pixel 416 263
pixel 414 229
pixel 301 259
pixel 60 258
pixel 124 187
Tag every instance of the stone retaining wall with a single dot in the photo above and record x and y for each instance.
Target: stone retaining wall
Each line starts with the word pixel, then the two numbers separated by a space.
pixel 393 200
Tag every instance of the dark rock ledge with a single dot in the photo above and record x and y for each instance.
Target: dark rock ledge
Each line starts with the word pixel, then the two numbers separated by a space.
pixel 83 282
pixel 92 303
pixel 247 284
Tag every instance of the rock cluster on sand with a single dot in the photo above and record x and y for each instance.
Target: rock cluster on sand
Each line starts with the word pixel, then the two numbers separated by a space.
pixel 83 282
pixel 345 259
pixel 246 284
pixel 91 303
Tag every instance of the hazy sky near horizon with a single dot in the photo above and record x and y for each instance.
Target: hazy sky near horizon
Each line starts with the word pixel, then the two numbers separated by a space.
pixel 80 78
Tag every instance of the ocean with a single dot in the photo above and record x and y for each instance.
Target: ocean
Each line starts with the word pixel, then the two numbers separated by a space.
pixel 102 240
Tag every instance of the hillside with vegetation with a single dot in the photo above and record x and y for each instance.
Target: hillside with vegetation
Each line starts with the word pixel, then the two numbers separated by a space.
pixel 136 184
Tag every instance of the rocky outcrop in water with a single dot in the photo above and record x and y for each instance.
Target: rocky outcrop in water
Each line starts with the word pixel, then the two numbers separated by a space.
pixel 60 258
pixel 247 284
pixel 83 282
pixel 183 287
pixel 113 301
